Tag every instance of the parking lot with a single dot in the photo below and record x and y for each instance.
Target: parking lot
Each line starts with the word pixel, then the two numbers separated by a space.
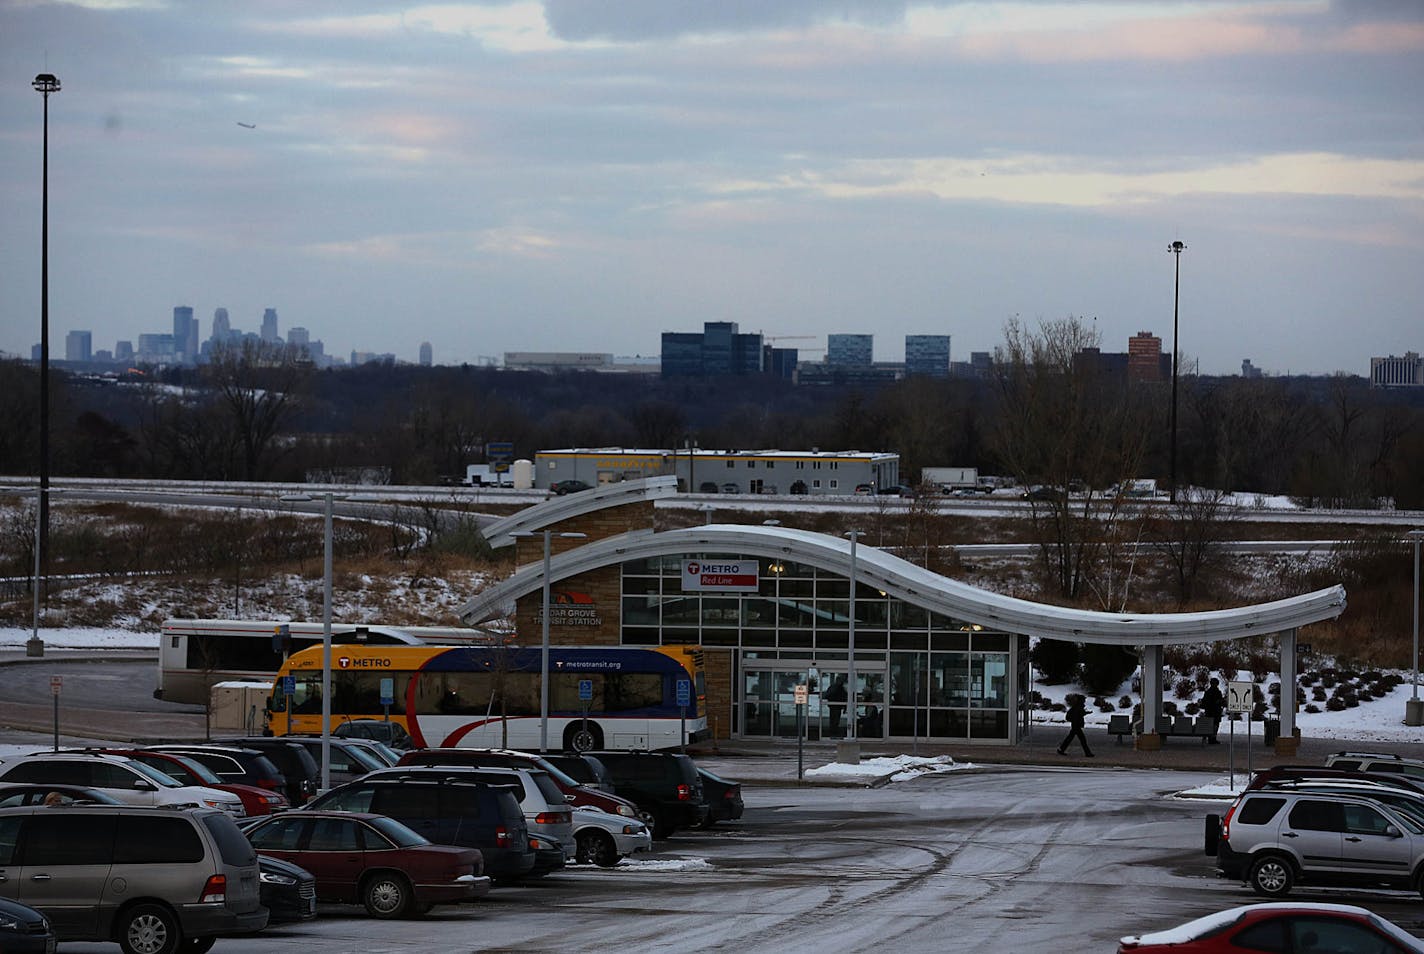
pixel 1021 858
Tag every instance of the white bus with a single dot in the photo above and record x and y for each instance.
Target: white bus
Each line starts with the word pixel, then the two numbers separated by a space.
pixel 193 654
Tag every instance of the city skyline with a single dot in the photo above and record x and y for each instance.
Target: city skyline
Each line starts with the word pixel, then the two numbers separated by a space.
pixel 490 177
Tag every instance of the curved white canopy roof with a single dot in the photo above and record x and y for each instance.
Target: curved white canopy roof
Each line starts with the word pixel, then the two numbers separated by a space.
pixel 919 586
pixel 501 532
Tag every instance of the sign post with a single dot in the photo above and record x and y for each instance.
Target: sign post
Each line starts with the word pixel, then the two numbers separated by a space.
pixel 585 697
pixel 388 695
pixel 802 694
pixel 289 689
pixel 684 699
pixel 55 682
pixel 1239 699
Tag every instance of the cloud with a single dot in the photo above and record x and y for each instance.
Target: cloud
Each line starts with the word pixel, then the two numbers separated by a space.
pixel 441 249
pixel 642 20
pixel 517 27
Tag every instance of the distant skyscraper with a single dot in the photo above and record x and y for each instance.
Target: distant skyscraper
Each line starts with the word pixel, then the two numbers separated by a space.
pixel 427 355
pixel 221 326
pixel 1144 357
pixel 719 349
pixel 183 329
pixel 123 351
pixel 78 345
pixel 269 325
pixel 927 355
pixel 298 336
pixel 850 350
pixel 157 348
pixel 1395 372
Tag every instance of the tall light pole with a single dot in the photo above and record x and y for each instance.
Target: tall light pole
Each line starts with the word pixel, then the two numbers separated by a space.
pixel 1414 708
pixel 34 646
pixel 1176 248
pixel 44 84
pixel 850 650
pixel 544 633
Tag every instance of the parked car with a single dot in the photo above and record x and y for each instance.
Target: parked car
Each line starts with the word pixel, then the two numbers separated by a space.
pixel 1411 803
pixel 1278 773
pixel 349 759
pixel 1272 839
pixel 17 795
pixel 1048 494
pixel 372 860
pixel 185 770
pixel 546 812
pixel 582 795
pixel 605 839
pixel 897 490
pixel 288 891
pixel 730 488
pixel 447 811
pixel 707 487
pixel 588 771
pixel 562 487
pixel 391 733
pixel 724 798
pixel 187 875
pixel 1302 927
pixel 23 930
pixel 865 490
pixel 665 785
pixel 1379 763
pixel 238 764
pixel 131 782
pixel 292 760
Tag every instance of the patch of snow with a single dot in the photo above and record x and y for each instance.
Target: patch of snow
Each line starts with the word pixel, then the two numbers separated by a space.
pixel 664 864
pixel 901 768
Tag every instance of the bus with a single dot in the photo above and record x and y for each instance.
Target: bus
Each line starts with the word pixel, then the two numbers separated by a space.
pixel 196 654
pixel 489 696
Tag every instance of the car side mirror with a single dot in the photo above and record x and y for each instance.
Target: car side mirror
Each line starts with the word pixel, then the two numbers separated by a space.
pixel 1392 832
pixel 144 785
pixel 570 798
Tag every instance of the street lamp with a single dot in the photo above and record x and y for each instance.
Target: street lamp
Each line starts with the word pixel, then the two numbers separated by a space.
pixel 544 621
pixel 1176 248
pixel 34 646
pixel 329 499
pixel 850 647
pixel 1414 708
pixel 44 84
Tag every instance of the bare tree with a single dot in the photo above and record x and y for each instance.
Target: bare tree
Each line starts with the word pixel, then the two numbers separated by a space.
pixel 1189 533
pixel 260 386
pixel 1066 425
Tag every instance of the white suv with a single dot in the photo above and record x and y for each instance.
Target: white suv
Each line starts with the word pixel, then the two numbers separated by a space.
pixel 131 782
pixel 1378 762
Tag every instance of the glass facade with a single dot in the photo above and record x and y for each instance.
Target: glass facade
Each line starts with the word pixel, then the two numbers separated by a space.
pixel 918 673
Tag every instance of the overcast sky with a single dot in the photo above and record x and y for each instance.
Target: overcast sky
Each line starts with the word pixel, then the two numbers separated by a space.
pixel 582 176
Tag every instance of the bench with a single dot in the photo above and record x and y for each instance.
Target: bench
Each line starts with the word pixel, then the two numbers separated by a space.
pixel 1167 726
pixel 1119 725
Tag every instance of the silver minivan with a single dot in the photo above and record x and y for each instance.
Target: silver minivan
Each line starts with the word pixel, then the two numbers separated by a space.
pixel 152 880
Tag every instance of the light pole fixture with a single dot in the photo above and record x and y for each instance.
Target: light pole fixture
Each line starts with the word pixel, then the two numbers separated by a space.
pixel 329 499
pixel 44 84
pixel 544 630
pixel 850 644
pixel 1414 709
pixel 1176 248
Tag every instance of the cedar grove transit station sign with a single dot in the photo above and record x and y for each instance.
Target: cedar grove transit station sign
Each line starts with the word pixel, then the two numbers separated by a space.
pixel 721 576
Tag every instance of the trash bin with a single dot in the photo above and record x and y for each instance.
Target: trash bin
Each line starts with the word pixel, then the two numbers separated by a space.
pixel 1273 730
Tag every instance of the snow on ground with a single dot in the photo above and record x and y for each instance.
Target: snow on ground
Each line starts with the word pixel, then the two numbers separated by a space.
pixel 80 637
pixel 901 768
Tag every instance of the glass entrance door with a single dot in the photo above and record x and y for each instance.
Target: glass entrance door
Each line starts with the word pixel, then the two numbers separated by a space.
pixel 769 700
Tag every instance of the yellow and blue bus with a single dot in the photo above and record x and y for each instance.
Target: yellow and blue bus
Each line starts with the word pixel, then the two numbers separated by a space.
pixel 489 696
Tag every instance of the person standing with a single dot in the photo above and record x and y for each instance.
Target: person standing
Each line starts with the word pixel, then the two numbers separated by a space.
pixel 836 693
pixel 1212 705
pixel 1076 715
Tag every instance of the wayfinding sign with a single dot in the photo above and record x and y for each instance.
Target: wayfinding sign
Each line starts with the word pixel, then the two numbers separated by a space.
pixel 1239 696
pixel 720 576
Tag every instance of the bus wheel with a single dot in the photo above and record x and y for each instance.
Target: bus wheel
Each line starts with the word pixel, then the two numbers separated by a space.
pixel 579 739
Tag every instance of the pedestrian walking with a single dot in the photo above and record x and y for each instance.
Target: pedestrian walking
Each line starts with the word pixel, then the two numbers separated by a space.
pixel 1212 705
pixel 1076 714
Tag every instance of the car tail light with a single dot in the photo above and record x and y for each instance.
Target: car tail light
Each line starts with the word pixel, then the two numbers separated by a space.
pixel 552 818
pixel 730 794
pixel 1226 822
pixel 215 890
pixel 684 793
pixel 501 837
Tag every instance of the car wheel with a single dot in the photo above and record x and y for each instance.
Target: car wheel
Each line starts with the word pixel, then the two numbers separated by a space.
pixel 198 945
pixel 1271 876
pixel 1212 835
pixel 596 847
pixel 662 828
pixel 579 739
pixel 386 895
pixel 149 929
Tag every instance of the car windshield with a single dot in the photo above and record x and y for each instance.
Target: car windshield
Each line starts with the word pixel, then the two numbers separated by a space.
pixel 398 833
pixel 389 755
pixel 153 774
pixel 559 775
pixel 201 772
pixel 365 759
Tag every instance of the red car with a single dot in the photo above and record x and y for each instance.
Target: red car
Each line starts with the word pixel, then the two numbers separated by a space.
pixel 187 771
pixel 1288 926
pixel 372 860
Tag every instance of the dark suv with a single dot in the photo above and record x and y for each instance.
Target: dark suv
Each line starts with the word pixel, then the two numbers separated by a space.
pixel 303 772
pixel 663 784
pixel 448 812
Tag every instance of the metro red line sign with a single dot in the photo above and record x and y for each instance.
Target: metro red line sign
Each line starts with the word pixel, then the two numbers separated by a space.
pixel 721 576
